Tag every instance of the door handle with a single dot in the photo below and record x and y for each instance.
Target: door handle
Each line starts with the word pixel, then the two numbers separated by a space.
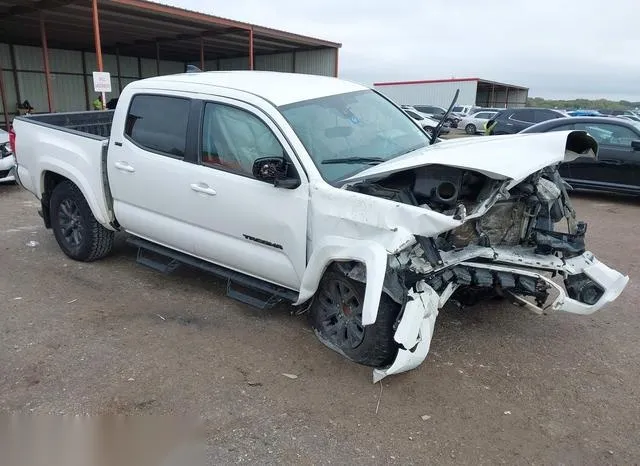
pixel 124 166
pixel 203 188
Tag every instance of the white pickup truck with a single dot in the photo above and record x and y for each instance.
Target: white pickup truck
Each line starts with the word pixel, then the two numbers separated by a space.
pixel 319 192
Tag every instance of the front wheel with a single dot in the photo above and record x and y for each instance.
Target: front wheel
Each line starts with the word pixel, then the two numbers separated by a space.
pixel 470 129
pixel 77 231
pixel 336 316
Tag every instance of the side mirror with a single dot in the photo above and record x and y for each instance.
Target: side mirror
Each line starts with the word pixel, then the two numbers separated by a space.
pixel 274 170
pixel 635 145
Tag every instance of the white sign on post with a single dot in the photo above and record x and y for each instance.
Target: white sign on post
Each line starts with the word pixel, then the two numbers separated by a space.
pixel 102 84
pixel 101 81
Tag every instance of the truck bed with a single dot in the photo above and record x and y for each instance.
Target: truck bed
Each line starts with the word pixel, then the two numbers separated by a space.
pixel 96 124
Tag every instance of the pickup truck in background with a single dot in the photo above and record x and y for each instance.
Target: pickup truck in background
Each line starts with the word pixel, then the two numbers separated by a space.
pixel 321 193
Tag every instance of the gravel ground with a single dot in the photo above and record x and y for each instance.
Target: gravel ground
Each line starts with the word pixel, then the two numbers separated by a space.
pixel 501 385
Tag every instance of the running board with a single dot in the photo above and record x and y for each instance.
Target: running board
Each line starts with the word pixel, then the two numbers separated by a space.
pixel 244 288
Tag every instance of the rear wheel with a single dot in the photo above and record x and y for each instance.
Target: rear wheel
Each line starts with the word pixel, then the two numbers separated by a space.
pixel 470 129
pixel 77 231
pixel 336 315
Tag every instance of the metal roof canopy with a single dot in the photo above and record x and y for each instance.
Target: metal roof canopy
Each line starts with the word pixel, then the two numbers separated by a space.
pixel 481 83
pixel 139 28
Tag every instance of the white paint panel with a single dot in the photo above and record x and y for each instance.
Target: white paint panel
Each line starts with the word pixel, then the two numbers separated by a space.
pixel 439 94
pixel 275 62
pixel 321 62
pixel 28 58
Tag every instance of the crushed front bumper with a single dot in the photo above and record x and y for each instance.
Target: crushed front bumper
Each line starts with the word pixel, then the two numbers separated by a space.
pixel 417 322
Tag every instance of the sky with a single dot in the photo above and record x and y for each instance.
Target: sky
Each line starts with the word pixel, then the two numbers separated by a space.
pixel 560 49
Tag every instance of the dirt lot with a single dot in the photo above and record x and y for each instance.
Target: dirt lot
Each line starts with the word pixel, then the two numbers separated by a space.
pixel 501 385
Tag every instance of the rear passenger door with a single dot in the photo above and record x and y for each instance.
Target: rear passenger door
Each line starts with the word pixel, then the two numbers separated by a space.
pixel 147 170
pixel 519 120
pixel 242 222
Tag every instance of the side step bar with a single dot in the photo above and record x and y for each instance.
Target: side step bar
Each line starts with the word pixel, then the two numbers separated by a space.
pixel 241 287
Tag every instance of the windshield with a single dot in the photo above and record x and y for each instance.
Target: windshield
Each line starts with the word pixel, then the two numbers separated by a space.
pixel 360 127
pixel 458 109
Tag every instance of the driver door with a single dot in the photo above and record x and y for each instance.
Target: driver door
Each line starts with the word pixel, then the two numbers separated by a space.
pixel 246 224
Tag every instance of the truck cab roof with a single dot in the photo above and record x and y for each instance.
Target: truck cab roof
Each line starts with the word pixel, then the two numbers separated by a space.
pixel 278 88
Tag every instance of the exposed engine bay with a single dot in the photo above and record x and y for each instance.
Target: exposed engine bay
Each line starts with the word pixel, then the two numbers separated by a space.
pixel 524 219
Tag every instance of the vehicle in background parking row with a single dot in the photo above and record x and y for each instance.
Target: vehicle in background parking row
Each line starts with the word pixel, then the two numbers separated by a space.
pixel 514 120
pixel 475 123
pixel 7 160
pixel 427 123
pixel 633 118
pixel 617 166
pixel 437 113
pixel 321 193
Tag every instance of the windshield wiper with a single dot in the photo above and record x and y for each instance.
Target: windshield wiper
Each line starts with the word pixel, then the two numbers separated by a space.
pixel 436 131
pixel 363 160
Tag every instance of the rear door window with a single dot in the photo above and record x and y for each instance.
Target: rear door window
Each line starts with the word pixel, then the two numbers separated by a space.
pixel 523 115
pixel 159 124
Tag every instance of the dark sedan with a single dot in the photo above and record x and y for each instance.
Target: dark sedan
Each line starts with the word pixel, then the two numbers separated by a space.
pixel 617 168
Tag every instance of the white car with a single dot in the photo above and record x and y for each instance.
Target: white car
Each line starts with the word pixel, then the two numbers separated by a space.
pixel 321 193
pixel 7 159
pixel 425 121
pixel 473 124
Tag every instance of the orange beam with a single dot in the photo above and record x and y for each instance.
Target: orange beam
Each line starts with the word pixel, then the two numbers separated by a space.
pixel 96 33
pixel 251 48
pixel 45 59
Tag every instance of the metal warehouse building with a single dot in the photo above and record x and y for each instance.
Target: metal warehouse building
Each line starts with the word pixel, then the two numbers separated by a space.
pixel 50 48
pixel 473 91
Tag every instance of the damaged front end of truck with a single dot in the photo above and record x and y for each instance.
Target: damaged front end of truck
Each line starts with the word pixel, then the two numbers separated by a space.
pixel 476 228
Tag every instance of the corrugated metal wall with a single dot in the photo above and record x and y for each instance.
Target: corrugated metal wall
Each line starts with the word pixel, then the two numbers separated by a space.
pixel 321 62
pixel 69 80
pixel 439 94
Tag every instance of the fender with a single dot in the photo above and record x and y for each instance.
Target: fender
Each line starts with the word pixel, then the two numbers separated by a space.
pixel 336 248
pixel 92 192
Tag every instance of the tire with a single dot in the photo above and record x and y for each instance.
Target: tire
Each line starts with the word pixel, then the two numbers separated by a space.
pixel 77 231
pixel 470 129
pixel 336 316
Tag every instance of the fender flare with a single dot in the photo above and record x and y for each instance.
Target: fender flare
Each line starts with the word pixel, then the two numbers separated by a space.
pixel 336 248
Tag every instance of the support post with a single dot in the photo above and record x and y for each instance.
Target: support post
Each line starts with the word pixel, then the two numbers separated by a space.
pixel 3 96
pixel 118 70
pixel 492 102
pixel 84 81
pixel 506 104
pixel 251 48
pixel 157 58
pixel 14 67
pixel 336 63
pixel 45 59
pixel 96 34
pixel 202 53
pixel 139 68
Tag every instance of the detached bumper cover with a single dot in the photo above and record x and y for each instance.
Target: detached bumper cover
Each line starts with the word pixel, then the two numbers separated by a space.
pixel 417 323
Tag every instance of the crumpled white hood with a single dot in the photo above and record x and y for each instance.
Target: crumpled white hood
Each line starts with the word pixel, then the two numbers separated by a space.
pixel 501 157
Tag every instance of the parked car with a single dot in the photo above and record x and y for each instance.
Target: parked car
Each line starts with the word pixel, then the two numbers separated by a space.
pixel 7 160
pixel 318 192
pixel 475 123
pixel 437 113
pixel 514 120
pixel 617 167
pixel 427 123
pixel 587 113
pixel 633 118
pixel 464 110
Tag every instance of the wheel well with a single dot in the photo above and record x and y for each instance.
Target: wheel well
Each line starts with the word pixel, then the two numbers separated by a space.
pixel 51 180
